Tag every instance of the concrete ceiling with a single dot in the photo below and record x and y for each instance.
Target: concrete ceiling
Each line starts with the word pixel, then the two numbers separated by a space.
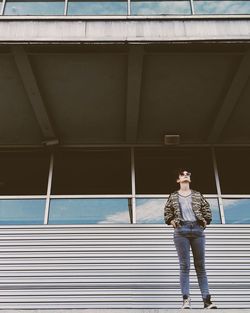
pixel 124 94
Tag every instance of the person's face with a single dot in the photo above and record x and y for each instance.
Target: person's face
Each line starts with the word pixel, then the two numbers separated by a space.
pixel 184 177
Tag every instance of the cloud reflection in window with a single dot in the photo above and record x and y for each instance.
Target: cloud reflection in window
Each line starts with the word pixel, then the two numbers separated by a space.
pixel 237 211
pixel 89 211
pixel 160 7
pixel 222 7
pixel 97 8
pixel 34 8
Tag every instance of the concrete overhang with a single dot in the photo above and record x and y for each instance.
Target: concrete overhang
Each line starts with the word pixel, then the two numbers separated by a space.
pixel 124 81
pixel 124 28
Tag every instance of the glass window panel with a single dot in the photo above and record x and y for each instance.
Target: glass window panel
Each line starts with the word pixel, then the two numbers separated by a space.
pixel 237 211
pixel 92 172
pixel 222 7
pixel 1 6
pixel 24 173
pixel 100 7
pixel 160 7
pixel 19 212
pixel 155 169
pixel 214 205
pixel 234 170
pixel 29 7
pixel 89 211
pixel 151 211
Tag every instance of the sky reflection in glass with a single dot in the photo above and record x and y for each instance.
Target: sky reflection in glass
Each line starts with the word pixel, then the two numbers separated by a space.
pixel 97 8
pixel 22 212
pixel 214 205
pixel 151 211
pixel 222 7
pixel 89 211
pixel 116 7
pixel 237 211
pixel 160 7
pixel 34 8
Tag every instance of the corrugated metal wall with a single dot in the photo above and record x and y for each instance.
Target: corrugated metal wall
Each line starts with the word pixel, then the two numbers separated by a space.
pixel 122 266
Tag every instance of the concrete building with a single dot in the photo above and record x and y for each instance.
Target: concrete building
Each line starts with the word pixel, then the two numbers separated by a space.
pixel 101 102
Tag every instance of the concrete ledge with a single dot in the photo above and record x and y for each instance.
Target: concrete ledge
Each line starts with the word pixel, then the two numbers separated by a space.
pixel 124 311
pixel 159 30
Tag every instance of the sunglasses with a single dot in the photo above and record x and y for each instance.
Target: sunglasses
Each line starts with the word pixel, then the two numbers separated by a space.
pixel 185 174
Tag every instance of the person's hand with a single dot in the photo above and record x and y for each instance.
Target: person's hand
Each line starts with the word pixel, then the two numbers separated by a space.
pixel 173 224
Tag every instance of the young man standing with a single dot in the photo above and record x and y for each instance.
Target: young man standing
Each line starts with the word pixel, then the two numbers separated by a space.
pixel 189 213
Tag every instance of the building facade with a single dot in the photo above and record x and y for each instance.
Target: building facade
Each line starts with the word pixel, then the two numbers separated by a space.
pixel 89 92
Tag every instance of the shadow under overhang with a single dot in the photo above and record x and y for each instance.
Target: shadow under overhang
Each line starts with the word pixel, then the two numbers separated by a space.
pixel 125 93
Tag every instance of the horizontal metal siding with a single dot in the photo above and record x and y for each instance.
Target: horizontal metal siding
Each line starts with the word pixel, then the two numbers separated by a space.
pixel 120 266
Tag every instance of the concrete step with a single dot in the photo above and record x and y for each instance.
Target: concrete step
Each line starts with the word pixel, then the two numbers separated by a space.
pixel 124 311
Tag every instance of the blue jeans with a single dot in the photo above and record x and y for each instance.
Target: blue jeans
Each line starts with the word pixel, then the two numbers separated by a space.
pixel 191 234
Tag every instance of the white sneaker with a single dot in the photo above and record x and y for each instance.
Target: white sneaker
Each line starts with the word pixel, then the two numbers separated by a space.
pixel 186 303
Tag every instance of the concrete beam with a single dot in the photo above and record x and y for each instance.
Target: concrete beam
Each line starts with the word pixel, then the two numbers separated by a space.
pixel 231 99
pixel 34 95
pixel 135 66
pixel 131 29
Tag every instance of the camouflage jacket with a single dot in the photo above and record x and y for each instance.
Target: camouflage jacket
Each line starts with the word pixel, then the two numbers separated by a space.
pixel 201 208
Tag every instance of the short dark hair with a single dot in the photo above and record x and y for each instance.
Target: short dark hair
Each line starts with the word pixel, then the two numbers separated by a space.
pixel 181 170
